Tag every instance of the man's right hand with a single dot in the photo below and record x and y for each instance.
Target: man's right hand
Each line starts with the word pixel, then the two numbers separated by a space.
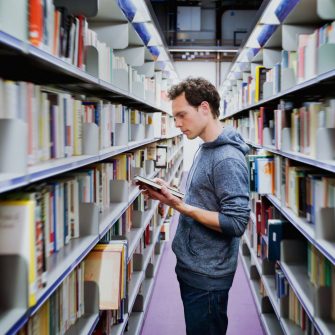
pixel 161 182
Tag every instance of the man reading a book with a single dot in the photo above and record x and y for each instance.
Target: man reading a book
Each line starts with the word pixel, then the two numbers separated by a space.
pixel 214 212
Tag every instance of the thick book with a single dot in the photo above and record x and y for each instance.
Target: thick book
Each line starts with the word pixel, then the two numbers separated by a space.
pixel 153 184
pixel 275 235
pixel 104 265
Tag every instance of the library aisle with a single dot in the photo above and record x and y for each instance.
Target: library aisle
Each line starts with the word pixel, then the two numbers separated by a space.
pixel 165 313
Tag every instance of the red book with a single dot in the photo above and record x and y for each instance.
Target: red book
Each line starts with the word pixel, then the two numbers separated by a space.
pixel 81 41
pixel 147 235
pixel 261 125
pixel 35 22
pixel 264 217
pixel 258 216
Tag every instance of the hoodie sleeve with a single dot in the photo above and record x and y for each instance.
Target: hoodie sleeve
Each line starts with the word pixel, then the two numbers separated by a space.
pixel 232 189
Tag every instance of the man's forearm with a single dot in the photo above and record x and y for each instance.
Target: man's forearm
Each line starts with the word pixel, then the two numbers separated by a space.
pixel 207 218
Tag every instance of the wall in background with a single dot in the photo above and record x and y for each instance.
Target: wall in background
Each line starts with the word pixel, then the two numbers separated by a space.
pixel 238 21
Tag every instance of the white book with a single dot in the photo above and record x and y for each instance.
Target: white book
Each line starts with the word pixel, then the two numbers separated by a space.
pixel 264 167
pixel 158 187
pixel 330 113
pixel 55 218
pixel 61 126
pixel 45 127
pixel 311 49
pixel 48 33
pixel 22 101
pixel 75 206
pixel 72 43
pixel 10 100
pixel 35 115
pixel 60 214
pixel 56 126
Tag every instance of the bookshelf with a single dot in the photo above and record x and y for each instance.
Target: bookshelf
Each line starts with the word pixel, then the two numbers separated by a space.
pixel 135 88
pixel 290 43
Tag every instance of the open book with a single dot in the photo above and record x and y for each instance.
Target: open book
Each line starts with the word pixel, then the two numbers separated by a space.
pixel 158 187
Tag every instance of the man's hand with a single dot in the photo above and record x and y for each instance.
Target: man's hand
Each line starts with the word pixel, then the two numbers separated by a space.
pixel 162 195
pixel 161 182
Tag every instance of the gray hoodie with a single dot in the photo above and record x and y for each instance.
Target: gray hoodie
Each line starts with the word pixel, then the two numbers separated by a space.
pixel 218 181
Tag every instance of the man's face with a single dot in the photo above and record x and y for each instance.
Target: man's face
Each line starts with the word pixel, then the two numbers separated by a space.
pixel 190 120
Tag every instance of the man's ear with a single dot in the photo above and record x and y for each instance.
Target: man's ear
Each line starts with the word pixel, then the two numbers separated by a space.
pixel 206 108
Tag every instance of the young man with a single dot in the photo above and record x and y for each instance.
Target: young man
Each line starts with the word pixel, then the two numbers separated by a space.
pixel 214 212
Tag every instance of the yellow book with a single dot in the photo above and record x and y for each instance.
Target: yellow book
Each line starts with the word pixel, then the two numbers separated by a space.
pixel 259 81
pixel 44 318
pixel 321 280
pixel 17 237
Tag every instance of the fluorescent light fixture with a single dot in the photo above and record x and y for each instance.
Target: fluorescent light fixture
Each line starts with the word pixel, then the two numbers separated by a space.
pixel 142 13
pixel 269 16
pixel 203 50
pixel 155 39
pixel 252 40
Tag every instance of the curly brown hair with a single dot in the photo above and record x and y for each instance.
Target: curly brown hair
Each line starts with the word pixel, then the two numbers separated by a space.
pixel 196 91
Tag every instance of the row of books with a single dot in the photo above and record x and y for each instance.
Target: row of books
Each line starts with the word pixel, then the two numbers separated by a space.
pixel 105 268
pixel 55 30
pixel 48 212
pixel 108 267
pixel 303 189
pixel 266 235
pixel 320 271
pixel 302 63
pixel 298 315
pixel 36 235
pixel 64 307
pixel 295 311
pixel 290 310
pixel 307 52
pixel 55 120
pixel 290 307
pixel 289 128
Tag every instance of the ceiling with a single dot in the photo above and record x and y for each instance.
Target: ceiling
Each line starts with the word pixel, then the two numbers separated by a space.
pixel 202 43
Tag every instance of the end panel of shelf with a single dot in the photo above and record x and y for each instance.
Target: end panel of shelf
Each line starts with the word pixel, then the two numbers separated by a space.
pixel 85 325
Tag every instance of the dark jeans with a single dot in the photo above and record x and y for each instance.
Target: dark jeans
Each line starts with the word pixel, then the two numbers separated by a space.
pixel 205 311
